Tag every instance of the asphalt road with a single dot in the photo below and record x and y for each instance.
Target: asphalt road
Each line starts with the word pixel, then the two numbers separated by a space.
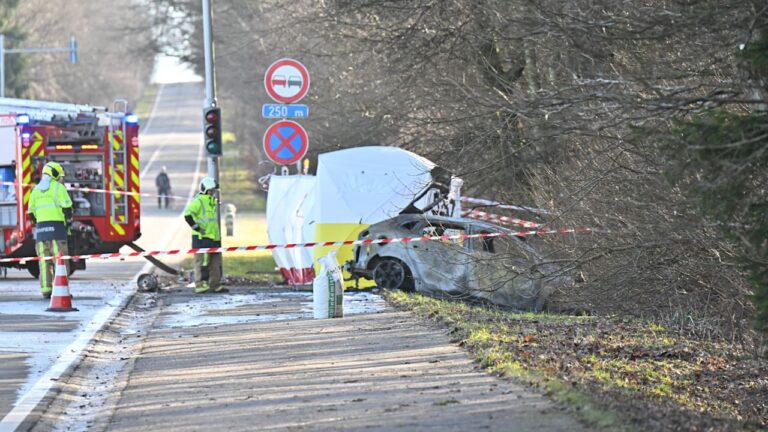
pixel 37 346
pixel 255 359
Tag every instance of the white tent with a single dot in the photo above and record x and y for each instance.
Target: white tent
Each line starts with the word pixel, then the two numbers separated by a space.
pixel 353 189
pixel 369 184
pixel 289 200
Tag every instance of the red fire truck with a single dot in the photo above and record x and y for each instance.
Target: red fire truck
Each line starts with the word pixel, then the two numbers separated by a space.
pixel 98 149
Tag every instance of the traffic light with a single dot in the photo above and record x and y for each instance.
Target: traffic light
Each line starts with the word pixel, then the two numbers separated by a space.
pixel 212 130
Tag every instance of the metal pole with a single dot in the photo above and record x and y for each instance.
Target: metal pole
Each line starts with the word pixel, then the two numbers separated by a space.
pixel 2 65
pixel 210 92
pixel 72 50
pixel 210 73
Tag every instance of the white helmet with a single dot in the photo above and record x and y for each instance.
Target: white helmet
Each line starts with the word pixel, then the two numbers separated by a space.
pixel 208 183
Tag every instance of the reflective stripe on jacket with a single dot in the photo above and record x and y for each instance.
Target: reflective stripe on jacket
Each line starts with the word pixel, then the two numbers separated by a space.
pixel 47 204
pixel 203 211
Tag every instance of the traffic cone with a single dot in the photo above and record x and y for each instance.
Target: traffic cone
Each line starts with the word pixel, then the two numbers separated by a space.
pixel 61 300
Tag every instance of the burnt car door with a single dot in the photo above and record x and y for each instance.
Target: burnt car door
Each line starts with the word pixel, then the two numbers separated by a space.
pixel 503 269
pixel 440 265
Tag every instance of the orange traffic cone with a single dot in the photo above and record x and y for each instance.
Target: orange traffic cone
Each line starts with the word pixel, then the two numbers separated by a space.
pixel 61 301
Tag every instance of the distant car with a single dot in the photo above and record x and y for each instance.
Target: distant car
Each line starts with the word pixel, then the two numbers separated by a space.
pixel 504 270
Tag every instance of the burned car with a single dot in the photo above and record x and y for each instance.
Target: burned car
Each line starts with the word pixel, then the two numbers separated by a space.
pixel 504 269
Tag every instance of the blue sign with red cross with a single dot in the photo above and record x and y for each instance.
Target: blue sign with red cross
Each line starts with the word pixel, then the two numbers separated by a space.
pixel 285 142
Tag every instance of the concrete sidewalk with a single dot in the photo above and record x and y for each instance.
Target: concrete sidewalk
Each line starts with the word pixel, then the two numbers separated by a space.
pixel 382 371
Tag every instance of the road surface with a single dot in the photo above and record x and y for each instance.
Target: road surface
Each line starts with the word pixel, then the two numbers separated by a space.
pixel 37 346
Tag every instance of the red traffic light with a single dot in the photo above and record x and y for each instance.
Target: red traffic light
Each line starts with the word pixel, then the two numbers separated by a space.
pixel 212 116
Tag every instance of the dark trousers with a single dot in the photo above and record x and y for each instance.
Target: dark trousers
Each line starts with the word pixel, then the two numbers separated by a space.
pixel 163 199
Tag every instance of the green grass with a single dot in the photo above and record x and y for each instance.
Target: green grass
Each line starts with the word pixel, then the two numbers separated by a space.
pixel 238 186
pixel 256 268
pixel 246 267
pixel 144 105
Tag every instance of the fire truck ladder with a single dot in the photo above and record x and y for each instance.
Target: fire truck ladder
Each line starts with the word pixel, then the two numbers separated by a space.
pixel 46 111
pixel 119 166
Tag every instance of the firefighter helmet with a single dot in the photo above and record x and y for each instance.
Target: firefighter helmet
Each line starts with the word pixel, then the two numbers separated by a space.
pixel 208 184
pixel 54 170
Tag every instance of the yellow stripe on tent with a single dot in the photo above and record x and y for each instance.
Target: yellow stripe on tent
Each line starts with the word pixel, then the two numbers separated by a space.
pixel 339 232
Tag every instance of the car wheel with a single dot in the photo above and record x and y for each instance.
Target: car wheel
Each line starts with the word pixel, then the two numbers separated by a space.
pixel 392 274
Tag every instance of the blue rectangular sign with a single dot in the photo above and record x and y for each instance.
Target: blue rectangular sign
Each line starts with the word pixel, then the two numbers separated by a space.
pixel 284 111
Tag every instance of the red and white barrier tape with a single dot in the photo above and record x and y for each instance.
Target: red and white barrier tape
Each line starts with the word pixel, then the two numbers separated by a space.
pixel 486 202
pixel 104 191
pixel 306 245
pixel 505 220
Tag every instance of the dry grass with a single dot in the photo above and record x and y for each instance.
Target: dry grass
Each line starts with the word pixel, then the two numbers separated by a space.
pixel 617 372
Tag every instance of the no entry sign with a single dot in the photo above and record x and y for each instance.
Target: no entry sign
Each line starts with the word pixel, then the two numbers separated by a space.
pixel 286 81
pixel 285 142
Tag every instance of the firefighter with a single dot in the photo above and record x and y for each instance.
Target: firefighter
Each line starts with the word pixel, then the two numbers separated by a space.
pixel 50 209
pixel 201 214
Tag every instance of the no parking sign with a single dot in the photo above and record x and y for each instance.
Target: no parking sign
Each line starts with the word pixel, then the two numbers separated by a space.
pixel 285 142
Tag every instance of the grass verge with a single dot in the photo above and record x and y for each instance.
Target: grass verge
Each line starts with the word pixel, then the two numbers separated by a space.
pixel 616 373
pixel 144 106
pixel 246 268
pixel 238 185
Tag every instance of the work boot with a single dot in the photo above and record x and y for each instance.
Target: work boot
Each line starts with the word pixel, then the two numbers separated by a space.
pixel 220 290
pixel 46 294
pixel 203 288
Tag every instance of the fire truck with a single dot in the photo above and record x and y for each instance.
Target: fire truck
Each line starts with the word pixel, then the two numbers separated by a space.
pixel 99 151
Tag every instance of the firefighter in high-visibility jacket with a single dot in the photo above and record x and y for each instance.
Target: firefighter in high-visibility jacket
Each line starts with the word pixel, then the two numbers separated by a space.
pixel 201 214
pixel 50 209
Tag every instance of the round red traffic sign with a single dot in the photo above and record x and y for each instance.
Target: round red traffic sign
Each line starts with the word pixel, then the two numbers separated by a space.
pixel 285 142
pixel 286 81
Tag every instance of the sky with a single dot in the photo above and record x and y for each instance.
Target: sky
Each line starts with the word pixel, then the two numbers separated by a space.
pixel 169 70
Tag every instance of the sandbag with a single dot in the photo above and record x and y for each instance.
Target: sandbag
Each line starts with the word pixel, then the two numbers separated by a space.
pixel 328 289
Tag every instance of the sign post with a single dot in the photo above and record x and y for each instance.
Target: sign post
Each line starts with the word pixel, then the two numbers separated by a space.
pixel 71 49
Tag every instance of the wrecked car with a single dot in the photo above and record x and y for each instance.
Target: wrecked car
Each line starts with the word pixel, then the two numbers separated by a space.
pixel 504 270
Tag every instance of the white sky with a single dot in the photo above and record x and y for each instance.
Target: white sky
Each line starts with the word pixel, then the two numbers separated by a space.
pixel 169 70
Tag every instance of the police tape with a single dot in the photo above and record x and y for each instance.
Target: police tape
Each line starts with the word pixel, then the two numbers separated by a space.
pixel 504 220
pixel 193 251
pixel 104 191
pixel 498 204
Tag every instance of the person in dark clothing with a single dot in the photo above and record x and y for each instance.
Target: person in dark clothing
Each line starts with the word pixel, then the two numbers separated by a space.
pixel 163 184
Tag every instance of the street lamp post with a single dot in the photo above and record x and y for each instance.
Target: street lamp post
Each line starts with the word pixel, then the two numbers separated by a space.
pixel 71 49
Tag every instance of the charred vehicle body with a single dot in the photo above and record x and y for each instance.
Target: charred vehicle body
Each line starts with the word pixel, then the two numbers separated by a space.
pixel 504 270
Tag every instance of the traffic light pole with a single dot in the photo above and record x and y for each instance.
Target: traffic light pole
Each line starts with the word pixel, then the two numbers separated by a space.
pixel 210 93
